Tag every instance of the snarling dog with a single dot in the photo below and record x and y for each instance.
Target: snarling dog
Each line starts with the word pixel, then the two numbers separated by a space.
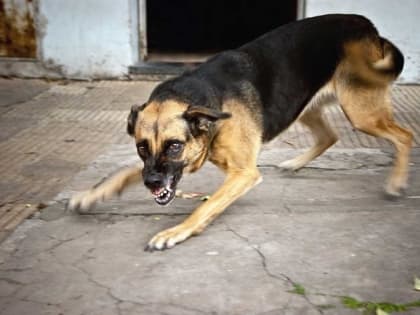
pixel 226 108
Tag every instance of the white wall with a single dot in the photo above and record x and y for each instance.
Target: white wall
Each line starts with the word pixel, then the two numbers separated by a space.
pixel 398 21
pixel 99 38
pixel 88 38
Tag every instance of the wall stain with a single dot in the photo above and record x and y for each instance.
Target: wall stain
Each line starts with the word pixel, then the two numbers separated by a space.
pixel 17 29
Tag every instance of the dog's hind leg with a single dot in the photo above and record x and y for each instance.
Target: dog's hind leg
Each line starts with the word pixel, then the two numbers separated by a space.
pixel 324 137
pixel 369 110
pixel 106 189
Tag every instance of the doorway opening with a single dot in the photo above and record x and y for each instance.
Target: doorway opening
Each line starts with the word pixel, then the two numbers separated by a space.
pixel 190 31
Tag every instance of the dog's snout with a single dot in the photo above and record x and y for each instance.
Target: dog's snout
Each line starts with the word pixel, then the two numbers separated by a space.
pixel 154 180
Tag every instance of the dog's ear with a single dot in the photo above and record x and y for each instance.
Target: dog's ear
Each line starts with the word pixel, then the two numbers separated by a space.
pixel 200 118
pixel 132 117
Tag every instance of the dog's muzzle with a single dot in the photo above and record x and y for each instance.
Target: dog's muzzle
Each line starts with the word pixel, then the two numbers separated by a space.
pixel 162 188
pixel 163 196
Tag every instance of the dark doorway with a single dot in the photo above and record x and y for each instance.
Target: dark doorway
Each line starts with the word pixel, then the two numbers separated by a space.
pixel 206 27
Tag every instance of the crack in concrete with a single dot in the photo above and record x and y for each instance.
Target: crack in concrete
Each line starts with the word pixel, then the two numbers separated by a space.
pixel 258 251
pixel 287 207
pixel 118 301
pixel 13 253
pixel 282 193
pixel 107 289
pixel 83 271
pixel 64 203
pixel 11 281
pixel 57 305
pixel 281 276
pixel 182 307
pixel 134 214
pixel 287 171
pixel 49 249
pixel 21 286
pixel 15 269
pixel 62 242
pixel 74 265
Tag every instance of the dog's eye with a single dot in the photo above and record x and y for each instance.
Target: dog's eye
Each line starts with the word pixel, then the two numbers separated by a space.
pixel 175 146
pixel 142 148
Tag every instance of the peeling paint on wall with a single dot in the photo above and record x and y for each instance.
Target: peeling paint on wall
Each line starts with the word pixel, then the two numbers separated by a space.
pixel 17 29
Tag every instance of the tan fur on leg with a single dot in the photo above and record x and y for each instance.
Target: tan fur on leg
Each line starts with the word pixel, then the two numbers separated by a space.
pixel 324 138
pixel 370 111
pixel 236 185
pixel 105 190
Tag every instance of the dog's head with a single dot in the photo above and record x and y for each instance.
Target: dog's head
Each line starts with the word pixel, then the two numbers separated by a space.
pixel 171 137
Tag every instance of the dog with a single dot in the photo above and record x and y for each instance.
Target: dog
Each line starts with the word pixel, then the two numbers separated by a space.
pixel 225 109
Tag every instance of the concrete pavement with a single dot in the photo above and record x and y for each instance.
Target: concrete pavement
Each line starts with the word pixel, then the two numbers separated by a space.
pixel 321 241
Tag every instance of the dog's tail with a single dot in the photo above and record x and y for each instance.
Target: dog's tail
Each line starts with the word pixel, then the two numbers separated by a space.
pixel 375 60
pixel 392 62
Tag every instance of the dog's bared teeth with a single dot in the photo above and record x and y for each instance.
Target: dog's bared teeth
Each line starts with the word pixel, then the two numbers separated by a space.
pixel 163 194
pixel 157 192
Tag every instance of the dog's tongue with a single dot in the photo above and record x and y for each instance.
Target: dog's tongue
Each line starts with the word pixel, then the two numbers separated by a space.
pixel 157 191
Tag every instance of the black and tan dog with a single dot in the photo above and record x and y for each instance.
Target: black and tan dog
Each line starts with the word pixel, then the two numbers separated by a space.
pixel 224 110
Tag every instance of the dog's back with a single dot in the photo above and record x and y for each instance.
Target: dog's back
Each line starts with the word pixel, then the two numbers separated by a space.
pixel 294 61
pixel 280 72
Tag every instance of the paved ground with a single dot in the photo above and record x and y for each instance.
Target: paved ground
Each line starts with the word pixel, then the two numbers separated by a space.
pixel 296 244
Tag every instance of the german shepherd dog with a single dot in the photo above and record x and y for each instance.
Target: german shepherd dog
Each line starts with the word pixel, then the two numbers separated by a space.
pixel 227 107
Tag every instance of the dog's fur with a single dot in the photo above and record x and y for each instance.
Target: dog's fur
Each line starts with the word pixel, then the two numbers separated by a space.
pixel 225 109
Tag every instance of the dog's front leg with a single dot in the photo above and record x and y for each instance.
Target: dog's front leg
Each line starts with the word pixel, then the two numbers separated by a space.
pixel 237 183
pixel 106 189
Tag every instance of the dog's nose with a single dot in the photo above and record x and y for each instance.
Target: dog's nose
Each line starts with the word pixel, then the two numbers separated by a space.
pixel 153 181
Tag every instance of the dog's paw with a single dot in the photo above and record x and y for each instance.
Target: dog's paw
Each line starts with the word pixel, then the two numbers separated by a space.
pixel 168 238
pixel 394 192
pixel 83 201
pixel 291 165
pixel 395 188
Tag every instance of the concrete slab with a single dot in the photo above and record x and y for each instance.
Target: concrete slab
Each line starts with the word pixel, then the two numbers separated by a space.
pixel 50 131
pixel 326 229
pixel 322 233
pixel 18 91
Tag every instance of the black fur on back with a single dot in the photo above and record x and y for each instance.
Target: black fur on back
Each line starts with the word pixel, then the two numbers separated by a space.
pixel 283 69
